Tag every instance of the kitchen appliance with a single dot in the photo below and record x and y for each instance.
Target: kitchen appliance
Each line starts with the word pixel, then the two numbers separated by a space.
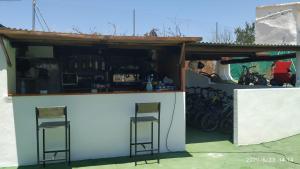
pixel 126 77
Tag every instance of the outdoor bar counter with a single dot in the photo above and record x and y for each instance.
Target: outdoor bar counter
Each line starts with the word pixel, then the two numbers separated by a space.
pixel 99 79
pixel 99 122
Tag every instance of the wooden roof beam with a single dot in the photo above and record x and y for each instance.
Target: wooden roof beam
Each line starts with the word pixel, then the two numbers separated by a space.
pixel 259 59
pixel 239 49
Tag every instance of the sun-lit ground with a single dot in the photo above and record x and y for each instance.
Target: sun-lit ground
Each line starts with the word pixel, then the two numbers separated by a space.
pixel 207 151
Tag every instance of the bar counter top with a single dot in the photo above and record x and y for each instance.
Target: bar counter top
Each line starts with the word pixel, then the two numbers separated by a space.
pixel 114 92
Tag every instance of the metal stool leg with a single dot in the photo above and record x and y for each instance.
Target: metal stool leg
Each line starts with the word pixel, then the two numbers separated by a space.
pixel 38 145
pixel 44 148
pixel 66 143
pixel 152 138
pixel 135 141
pixel 158 142
pixel 130 146
pixel 69 144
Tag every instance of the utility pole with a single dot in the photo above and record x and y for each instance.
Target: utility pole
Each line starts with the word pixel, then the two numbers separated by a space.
pixel 217 32
pixel 133 22
pixel 33 14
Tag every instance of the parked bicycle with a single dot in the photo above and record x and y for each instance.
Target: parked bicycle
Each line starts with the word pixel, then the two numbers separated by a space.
pixel 209 109
pixel 248 77
pixel 221 119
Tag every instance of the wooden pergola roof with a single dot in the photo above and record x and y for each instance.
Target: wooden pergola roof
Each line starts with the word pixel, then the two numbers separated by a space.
pixel 194 49
pixel 91 39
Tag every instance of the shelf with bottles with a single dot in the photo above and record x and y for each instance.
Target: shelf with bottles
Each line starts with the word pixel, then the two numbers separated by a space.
pixel 84 63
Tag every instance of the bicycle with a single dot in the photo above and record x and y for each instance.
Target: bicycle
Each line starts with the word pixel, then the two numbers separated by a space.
pixel 248 77
pixel 209 109
pixel 210 122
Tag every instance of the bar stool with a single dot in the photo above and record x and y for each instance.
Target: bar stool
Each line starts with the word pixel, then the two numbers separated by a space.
pixel 145 108
pixel 60 119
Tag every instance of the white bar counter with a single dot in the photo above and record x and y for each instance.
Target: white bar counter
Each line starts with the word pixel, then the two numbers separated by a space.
pixel 99 123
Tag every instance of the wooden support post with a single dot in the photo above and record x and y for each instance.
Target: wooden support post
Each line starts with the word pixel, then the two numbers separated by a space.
pixel 182 67
pixel 5 51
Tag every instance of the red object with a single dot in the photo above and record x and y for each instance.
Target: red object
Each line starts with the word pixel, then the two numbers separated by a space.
pixel 281 71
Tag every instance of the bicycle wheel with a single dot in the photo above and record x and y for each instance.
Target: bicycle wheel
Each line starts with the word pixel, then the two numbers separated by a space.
pixel 226 126
pixel 190 114
pixel 209 122
pixel 190 119
pixel 197 120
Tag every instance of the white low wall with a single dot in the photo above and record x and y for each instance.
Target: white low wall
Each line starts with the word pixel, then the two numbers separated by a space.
pixel 263 115
pixel 8 153
pixel 99 124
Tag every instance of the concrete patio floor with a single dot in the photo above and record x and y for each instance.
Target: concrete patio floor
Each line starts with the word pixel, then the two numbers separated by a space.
pixel 207 151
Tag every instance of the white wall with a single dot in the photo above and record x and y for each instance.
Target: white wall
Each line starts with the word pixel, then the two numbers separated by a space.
pixel 264 10
pixel 278 24
pixel 99 123
pixel 263 115
pixel 8 152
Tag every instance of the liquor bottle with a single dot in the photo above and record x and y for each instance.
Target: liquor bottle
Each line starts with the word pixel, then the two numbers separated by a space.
pixel 96 64
pixel 75 63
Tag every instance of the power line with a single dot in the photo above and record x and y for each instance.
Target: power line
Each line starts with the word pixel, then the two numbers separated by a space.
pixel 39 20
pixel 43 19
pixel 36 13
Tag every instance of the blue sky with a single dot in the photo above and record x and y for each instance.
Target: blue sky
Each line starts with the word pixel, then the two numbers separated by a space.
pixel 194 17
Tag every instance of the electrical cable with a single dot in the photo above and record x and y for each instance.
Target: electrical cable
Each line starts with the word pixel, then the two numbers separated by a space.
pixel 43 19
pixel 172 118
pixel 39 21
pixel 250 152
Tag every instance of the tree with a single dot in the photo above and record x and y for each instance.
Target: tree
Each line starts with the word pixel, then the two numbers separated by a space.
pixel 245 34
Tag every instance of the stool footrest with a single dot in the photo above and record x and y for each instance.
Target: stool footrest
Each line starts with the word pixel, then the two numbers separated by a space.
pixel 147 150
pixel 56 151
pixel 63 159
pixel 141 143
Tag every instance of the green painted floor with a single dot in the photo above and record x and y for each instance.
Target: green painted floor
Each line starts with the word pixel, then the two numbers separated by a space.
pixel 207 151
